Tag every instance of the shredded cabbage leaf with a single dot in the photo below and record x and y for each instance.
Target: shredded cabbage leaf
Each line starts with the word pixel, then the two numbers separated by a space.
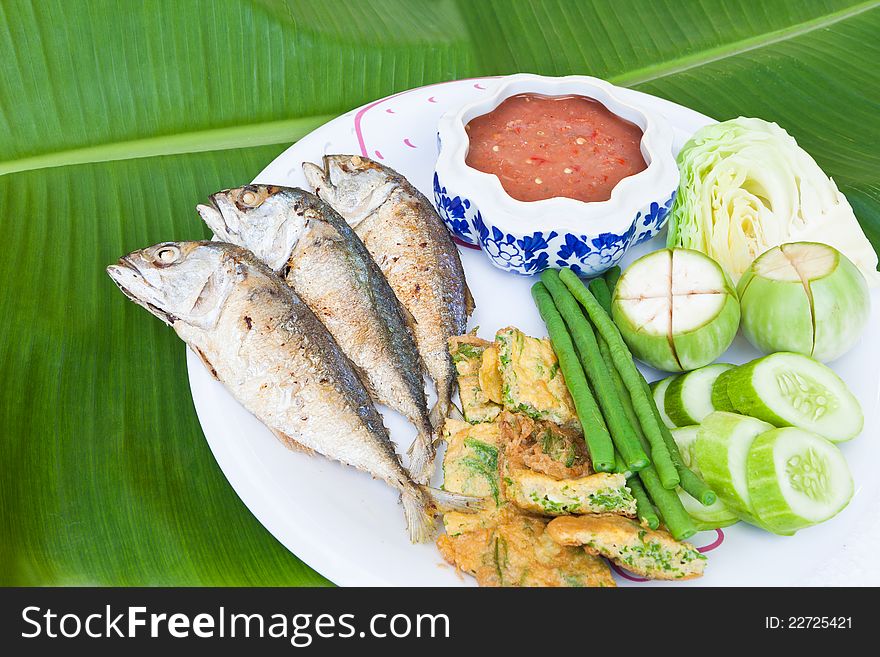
pixel 746 186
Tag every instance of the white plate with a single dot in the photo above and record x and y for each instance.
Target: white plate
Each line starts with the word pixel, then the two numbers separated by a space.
pixel 349 527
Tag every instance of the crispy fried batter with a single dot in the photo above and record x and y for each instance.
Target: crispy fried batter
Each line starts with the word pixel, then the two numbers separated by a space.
pixel 470 465
pixel 490 375
pixel 467 355
pixel 543 447
pixel 531 381
pixel 517 551
pixel 500 545
pixel 602 492
pixel 650 553
pixel 546 470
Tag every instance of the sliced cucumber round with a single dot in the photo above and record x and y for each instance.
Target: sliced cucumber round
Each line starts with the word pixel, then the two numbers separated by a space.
pixel 706 517
pixel 685 438
pixel 720 398
pixel 659 390
pixel 714 516
pixel 791 390
pixel 796 479
pixel 688 398
pixel 721 450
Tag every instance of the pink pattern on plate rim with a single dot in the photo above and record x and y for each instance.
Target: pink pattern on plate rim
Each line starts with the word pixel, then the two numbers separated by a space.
pixel 358 117
pixel 409 143
pixel 719 539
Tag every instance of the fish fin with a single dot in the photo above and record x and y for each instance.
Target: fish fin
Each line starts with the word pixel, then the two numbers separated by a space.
pixel 469 303
pixel 421 454
pixel 206 362
pixel 445 501
pixel 290 443
pixel 212 217
pixel 455 413
pixel 419 512
pixel 440 411
pixel 408 319
pixel 315 175
pixel 364 378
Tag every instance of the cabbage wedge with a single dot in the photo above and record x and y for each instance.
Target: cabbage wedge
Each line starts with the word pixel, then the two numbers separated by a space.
pixel 746 186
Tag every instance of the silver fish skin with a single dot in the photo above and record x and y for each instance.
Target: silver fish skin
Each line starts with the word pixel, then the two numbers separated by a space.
pixel 267 347
pixel 412 247
pixel 308 244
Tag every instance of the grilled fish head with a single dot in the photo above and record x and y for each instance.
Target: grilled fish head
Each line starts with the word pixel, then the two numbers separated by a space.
pixel 266 219
pixel 354 185
pixel 181 281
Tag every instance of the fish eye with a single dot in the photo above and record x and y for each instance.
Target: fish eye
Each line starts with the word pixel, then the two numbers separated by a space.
pixel 167 254
pixel 250 197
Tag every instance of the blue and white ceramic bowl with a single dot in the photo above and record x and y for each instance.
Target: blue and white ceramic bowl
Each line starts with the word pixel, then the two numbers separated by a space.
pixel 528 237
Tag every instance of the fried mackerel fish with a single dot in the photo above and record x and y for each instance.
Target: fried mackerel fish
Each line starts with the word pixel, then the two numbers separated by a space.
pixel 545 469
pixel 410 243
pixel 310 246
pixel 650 553
pixel 502 546
pixel 257 337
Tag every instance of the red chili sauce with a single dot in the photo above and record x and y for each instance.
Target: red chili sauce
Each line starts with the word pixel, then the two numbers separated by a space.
pixel 546 146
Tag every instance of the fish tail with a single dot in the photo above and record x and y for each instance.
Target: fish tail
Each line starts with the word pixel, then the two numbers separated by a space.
pixel 455 413
pixel 419 512
pixel 440 411
pixel 421 456
pixel 444 501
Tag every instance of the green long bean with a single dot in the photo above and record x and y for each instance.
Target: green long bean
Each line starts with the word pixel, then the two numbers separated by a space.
pixel 632 379
pixel 622 433
pixel 611 277
pixel 644 509
pixel 595 432
pixel 688 479
pixel 668 504
pixel 599 288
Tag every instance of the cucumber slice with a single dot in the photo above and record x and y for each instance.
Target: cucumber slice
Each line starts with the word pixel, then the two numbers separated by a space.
pixel 659 390
pixel 721 449
pixel 688 398
pixel 796 479
pixel 791 390
pixel 720 398
pixel 706 517
pixel 685 438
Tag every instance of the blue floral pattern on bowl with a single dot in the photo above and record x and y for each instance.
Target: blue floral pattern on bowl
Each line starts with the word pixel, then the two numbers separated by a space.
pixel 653 220
pixel 532 253
pixel 454 210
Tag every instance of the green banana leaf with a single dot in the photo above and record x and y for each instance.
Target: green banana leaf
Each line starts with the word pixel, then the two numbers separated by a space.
pixel 116 118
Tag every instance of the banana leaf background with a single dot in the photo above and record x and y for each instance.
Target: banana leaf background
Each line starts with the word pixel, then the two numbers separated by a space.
pixel 117 117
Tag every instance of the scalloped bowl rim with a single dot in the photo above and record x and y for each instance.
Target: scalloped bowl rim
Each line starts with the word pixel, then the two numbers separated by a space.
pixel 653 184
